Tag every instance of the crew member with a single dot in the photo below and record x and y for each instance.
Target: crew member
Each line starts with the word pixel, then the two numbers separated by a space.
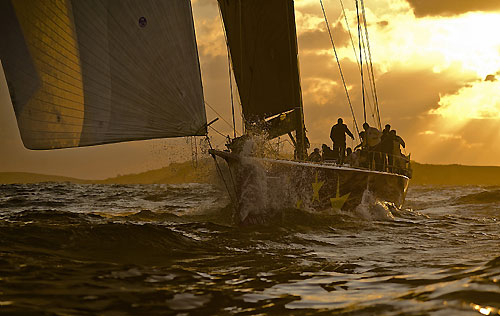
pixel 373 138
pixel 328 153
pixel 337 135
pixel 398 157
pixel 386 131
pixel 315 156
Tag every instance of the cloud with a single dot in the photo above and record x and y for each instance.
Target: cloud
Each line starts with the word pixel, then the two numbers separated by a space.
pixel 313 40
pixel 451 7
pixel 406 96
pixel 490 78
pixel 406 93
pixel 319 39
pixel 470 144
pixel 480 100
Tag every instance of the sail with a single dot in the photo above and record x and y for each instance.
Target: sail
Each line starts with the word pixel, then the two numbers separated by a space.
pixel 91 72
pixel 263 46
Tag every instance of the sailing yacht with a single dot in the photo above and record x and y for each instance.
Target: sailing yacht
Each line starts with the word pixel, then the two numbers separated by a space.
pixel 262 41
pixel 85 73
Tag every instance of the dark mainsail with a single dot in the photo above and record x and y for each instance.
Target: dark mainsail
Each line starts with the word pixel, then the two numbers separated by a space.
pixel 87 72
pixel 263 46
pixel 262 41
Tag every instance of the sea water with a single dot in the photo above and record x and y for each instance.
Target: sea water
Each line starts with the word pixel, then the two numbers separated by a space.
pixel 71 249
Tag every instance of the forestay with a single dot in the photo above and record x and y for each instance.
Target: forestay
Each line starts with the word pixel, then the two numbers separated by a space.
pixel 263 45
pixel 91 72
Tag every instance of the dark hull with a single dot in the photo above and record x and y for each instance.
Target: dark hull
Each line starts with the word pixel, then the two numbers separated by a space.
pixel 262 185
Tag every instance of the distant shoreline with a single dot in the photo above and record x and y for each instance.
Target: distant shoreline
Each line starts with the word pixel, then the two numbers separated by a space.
pixel 204 172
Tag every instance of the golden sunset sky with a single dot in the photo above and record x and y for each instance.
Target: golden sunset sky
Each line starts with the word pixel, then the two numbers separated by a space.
pixel 436 64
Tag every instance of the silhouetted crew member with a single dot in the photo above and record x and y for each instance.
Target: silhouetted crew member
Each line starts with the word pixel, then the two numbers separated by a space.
pixel 398 161
pixel 363 141
pixel 348 155
pixel 315 156
pixel 337 135
pixel 387 148
pixel 386 131
pixel 373 137
pixel 398 140
pixel 328 153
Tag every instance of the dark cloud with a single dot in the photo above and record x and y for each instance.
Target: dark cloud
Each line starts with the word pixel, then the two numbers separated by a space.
pixel 451 7
pixel 340 35
pixel 313 40
pixel 490 78
pixel 407 94
pixel 383 23
pixel 319 39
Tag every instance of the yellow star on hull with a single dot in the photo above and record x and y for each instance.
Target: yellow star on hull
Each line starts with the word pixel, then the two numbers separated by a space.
pixel 338 202
pixel 316 186
pixel 298 205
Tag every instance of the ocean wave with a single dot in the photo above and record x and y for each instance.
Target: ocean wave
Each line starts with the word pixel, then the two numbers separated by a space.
pixel 50 216
pixel 484 197
pixel 16 202
pixel 75 236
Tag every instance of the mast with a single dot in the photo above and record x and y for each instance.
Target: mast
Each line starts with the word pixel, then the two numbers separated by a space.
pixel 361 62
pixel 300 131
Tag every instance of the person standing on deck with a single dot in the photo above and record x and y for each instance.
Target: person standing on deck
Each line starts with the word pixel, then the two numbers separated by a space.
pixel 387 149
pixel 315 156
pixel 386 131
pixel 398 162
pixel 373 137
pixel 386 146
pixel 337 135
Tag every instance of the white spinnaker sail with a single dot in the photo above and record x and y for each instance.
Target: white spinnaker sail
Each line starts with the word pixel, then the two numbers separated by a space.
pixel 88 72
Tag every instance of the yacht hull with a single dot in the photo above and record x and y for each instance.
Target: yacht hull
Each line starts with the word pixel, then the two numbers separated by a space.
pixel 261 186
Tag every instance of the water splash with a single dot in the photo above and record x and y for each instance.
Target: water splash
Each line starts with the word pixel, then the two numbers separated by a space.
pixel 372 209
pixel 260 197
pixel 253 195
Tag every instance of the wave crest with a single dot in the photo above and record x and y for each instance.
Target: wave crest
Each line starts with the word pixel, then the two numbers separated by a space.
pixel 480 198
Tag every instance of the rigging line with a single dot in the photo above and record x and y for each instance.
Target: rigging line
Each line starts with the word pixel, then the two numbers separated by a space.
pixel 350 33
pixel 229 124
pixel 361 62
pixel 371 83
pixel 365 89
pixel 340 67
pixel 371 64
pixel 231 88
pixel 368 70
pixel 241 60
pixel 217 131
pixel 354 47
pixel 219 171
pixel 370 106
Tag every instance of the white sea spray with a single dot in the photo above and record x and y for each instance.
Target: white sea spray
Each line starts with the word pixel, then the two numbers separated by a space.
pixel 372 209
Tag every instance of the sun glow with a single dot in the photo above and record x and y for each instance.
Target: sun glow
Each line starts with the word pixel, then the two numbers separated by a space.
pixel 464 40
pixel 481 100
